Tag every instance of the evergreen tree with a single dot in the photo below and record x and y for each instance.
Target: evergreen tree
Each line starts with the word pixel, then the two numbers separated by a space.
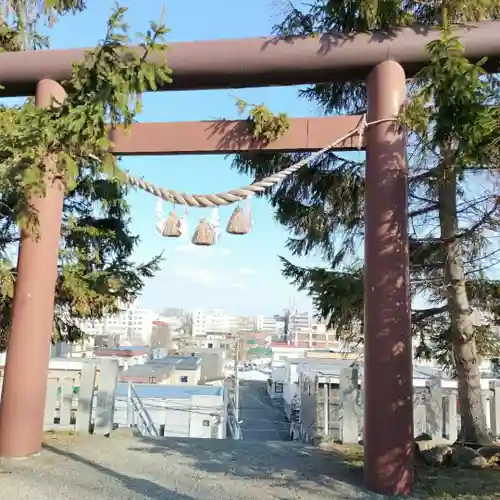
pixel 452 189
pixel 96 270
pixel 19 20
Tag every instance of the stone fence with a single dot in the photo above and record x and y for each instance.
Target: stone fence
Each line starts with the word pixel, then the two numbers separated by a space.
pixel 435 407
pixel 80 395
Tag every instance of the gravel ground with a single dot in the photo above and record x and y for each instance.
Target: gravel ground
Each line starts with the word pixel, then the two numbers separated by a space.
pixel 128 468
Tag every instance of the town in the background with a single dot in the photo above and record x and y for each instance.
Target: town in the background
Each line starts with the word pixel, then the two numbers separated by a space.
pixel 211 374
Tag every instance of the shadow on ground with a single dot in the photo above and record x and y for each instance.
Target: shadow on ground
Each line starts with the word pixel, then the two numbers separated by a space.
pixel 309 470
pixel 277 464
pixel 140 486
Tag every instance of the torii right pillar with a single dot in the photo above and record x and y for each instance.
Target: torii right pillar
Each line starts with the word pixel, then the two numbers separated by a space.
pixel 388 385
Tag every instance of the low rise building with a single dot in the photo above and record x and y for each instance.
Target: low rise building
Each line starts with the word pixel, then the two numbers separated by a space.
pixel 283 350
pixel 276 381
pixel 187 368
pixel 161 335
pixel 125 355
pixel 213 361
pixel 178 411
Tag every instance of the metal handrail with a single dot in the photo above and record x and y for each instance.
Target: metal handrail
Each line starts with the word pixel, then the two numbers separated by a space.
pixel 234 427
pixel 147 427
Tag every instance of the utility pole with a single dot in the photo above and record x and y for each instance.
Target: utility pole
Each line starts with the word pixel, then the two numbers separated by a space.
pixel 237 379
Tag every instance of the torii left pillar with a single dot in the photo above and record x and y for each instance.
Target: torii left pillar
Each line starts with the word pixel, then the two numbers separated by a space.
pixel 28 352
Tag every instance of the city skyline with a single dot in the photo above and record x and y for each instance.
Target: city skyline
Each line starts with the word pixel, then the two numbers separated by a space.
pixel 134 323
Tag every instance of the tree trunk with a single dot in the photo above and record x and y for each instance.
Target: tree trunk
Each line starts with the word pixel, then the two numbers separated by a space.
pixel 472 415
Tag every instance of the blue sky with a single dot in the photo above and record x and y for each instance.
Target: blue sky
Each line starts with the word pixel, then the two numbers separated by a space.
pixel 239 274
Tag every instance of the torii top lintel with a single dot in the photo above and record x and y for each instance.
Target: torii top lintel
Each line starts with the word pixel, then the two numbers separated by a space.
pixel 258 62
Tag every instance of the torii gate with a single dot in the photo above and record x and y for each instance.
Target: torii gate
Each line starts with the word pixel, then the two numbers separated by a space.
pixel 380 58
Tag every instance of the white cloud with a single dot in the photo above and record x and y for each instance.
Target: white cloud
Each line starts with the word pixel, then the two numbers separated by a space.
pixel 201 251
pixel 247 271
pixel 238 285
pixel 187 248
pixel 208 276
pixel 195 274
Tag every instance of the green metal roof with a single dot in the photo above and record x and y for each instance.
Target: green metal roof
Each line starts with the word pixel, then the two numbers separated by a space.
pixel 260 351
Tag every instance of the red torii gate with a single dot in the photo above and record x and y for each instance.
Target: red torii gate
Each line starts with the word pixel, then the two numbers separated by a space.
pixel 382 60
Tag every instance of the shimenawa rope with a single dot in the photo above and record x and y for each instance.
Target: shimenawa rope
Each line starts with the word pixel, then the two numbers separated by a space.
pixel 240 194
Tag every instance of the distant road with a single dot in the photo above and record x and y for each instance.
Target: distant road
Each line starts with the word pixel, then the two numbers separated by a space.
pixel 261 420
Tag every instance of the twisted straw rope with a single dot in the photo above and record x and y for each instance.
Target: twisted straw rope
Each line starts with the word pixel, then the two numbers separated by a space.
pixel 235 195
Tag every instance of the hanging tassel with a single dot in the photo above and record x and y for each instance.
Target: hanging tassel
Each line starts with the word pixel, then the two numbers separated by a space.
pixel 204 234
pixel 170 226
pixel 239 223
pixel 172 229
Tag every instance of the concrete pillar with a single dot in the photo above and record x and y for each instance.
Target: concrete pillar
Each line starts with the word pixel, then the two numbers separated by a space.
pixel 326 408
pixel 388 428
pixel 434 408
pixel 25 383
pixel 495 408
pixel 349 387
pixel 452 417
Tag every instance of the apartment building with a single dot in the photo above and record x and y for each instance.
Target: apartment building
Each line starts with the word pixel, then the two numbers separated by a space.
pixel 215 321
pixel 218 321
pixel 312 336
pixel 271 325
pixel 298 326
pixel 131 324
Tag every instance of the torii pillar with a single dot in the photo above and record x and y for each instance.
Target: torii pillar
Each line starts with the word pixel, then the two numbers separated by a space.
pixel 28 352
pixel 388 426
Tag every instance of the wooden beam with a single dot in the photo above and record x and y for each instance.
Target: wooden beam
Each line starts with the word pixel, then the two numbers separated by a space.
pixel 226 137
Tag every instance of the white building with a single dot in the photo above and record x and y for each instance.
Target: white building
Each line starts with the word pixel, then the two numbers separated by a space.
pixel 132 324
pixel 198 411
pixel 298 326
pixel 284 352
pixel 218 321
pixel 273 325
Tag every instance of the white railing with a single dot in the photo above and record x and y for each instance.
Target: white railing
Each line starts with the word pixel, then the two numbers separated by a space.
pixel 138 416
pixel 234 427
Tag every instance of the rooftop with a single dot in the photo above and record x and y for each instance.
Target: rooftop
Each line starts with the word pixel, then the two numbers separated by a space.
pixel 122 351
pixel 133 348
pixel 179 362
pixel 205 350
pixel 147 370
pixel 332 367
pixel 169 391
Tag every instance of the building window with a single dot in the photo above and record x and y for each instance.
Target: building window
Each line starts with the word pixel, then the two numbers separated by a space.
pixel 184 379
pixel 210 346
pixel 206 423
pixel 278 388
